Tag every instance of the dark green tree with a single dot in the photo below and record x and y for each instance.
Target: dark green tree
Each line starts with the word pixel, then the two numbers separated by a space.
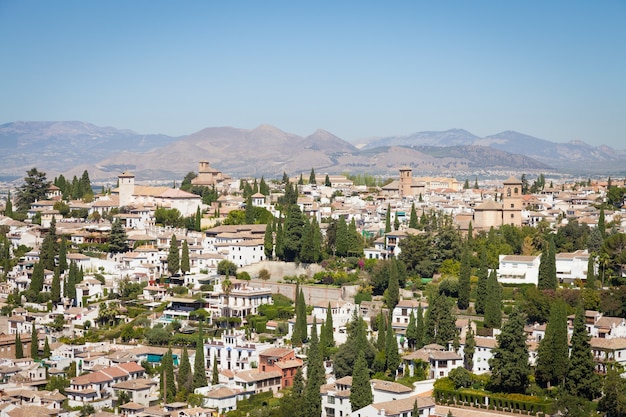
pixel 440 321
pixel 46 349
pixel 63 255
pixel 185 377
pixel 327 337
pixel 279 249
pixel 361 390
pixel 327 181
pixel 469 349
pixel 509 364
pixel 420 327
pixel 481 287
pixel 173 256
pixel 48 252
pixel 602 223
pixel 215 378
pixel 547 279
pixel 34 343
pixel 493 304
pixel 613 403
pixel 293 232
pixel 55 290
pixel 36 282
pixel 552 355
pixel 168 382
pixel 312 177
pixel 391 350
pixel 315 376
pixel 199 365
pixel 393 291
pixel 590 282
pixel 413 221
pixel 411 332
pixel 34 189
pixel 268 240
pixel 19 348
pixel 184 259
pixel 388 219
pixel 118 240
pixel 342 243
pixel 464 279
pixel 343 362
pixel 396 222
pixel 249 210
pixel 581 379
pixel 300 333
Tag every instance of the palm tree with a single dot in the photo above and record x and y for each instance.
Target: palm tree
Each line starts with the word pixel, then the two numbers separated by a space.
pixel 227 287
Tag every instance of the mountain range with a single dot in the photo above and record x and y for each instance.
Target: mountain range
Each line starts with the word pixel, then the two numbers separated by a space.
pixel 71 147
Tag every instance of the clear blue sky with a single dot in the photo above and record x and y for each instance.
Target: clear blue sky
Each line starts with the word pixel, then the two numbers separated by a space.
pixel 551 69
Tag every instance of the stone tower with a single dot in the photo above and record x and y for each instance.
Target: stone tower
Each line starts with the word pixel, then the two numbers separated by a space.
pixel 126 188
pixel 406 181
pixel 512 202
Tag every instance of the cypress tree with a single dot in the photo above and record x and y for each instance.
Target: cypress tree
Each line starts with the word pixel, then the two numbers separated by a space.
pixel 381 324
pixel 396 222
pixel 415 412
pixel 184 260
pixel 34 343
pixel 173 257
pixel 413 221
pixel 343 361
pixel 393 290
pixel 317 240
pixel 315 376
pixel 547 267
pixel 198 219
pixel 293 232
pixel 36 282
pixel 185 378
pixel 391 349
pixel 47 253
pixel 63 255
pixel 199 367
pixel 341 240
pixel 388 219
pixel 481 287
pixel 464 279
pixel 312 177
pixel 361 390
pixel 168 383
pixel 46 349
pixel 602 223
pixel 306 250
pixel 216 375
pixel 590 282
pixel 420 328
pixel 440 321
pixel 327 338
pixel 509 363
pixel 268 240
pixel 19 348
pixel 552 359
pixel 582 380
pixel 493 304
pixel 469 349
pixel 300 327
pixel 249 211
pixel 411 332
pixel 55 290
pixel 327 181
pixel 280 247
pixel 355 242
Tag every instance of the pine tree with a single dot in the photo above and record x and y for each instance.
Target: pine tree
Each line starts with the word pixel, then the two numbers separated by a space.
pixel 493 303
pixel 509 363
pixel 413 221
pixel 118 240
pixel 469 349
pixel 481 287
pixel 184 260
pixel 361 390
pixel 199 366
pixel 547 267
pixel 464 279
pixel 552 358
pixel 19 348
pixel 388 219
pixel 185 378
pixel 34 343
pixel 173 257
pixel 582 380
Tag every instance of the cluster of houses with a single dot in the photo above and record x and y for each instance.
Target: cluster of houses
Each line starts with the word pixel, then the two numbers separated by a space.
pixel 246 366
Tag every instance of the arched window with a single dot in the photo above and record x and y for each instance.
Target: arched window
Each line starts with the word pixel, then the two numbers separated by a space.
pixel 508 192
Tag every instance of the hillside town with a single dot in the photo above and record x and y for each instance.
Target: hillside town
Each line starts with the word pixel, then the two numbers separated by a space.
pixel 319 295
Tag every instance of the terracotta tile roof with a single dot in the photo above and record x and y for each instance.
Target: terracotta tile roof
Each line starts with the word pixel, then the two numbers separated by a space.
pixel 397 407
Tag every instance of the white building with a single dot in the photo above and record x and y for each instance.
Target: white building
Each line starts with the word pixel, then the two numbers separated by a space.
pixel 518 269
pixel 571 266
pixel 398 408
